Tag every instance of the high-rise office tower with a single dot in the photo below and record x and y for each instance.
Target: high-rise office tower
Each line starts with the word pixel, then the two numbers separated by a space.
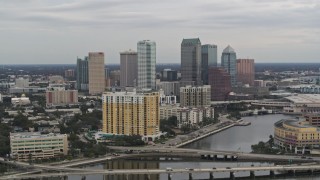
pixel 82 74
pixel 228 62
pixel 220 83
pixel 131 113
pixel 128 68
pixel 245 71
pixel 191 62
pixel 146 64
pixel 209 58
pixel 96 72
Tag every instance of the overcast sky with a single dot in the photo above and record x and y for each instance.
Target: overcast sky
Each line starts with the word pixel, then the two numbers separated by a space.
pixel 57 31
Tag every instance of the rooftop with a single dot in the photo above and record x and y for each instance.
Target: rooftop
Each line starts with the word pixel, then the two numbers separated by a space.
pixel 191 41
pixel 294 123
pixel 32 135
pixel 229 49
pixel 304 98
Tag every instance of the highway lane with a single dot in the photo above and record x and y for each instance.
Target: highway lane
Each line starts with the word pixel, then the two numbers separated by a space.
pixel 169 171
pixel 243 155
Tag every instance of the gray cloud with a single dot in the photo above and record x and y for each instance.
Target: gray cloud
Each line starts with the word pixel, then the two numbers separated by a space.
pixel 114 25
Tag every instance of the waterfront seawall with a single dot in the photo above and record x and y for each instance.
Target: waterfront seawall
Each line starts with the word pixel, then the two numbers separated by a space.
pixel 205 135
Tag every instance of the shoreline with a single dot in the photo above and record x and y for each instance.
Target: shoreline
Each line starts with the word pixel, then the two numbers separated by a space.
pixel 207 134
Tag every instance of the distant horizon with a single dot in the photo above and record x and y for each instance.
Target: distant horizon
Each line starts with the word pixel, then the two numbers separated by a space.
pixel 168 63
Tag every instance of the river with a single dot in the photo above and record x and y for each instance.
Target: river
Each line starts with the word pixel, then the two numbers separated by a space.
pixel 239 138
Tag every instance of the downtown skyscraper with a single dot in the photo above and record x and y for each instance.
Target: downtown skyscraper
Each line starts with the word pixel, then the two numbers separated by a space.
pixel 191 62
pixel 245 71
pixel 128 69
pixel 209 58
pixel 96 72
pixel 229 63
pixel 146 50
pixel 82 74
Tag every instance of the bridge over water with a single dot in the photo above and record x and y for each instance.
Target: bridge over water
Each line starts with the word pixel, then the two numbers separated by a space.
pixel 211 171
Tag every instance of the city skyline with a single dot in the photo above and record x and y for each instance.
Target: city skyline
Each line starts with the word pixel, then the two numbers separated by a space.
pixel 56 32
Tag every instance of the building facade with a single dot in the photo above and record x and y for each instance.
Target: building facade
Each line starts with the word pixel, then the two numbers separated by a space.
pixel 292 135
pixel 220 83
pixel 303 104
pixel 209 58
pixel 313 119
pixel 245 71
pixel 167 99
pixel 69 73
pixel 82 74
pixel 228 62
pixel 195 96
pixel 146 64
pixel 169 75
pixel 128 68
pixel 131 113
pixel 191 62
pixel 37 146
pixel 193 116
pixel 61 97
pixel 168 110
pixel 96 72
pixel 170 88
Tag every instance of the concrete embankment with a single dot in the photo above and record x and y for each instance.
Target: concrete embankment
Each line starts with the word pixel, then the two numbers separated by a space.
pixel 205 135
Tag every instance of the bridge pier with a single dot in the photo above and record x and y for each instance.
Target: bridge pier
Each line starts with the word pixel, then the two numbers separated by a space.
pixel 292 172
pixel 63 177
pixel 272 175
pixel 225 157
pixel 211 177
pixel 169 176
pixel 310 172
pixel 190 176
pixel 252 175
pixel 147 177
pixel 215 157
pixel 83 178
pixel 232 177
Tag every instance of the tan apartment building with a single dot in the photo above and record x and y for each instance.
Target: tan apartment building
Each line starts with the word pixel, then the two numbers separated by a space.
pixel 195 96
pixel 96 72
pixel 35 145
pixel 131 113
pixel 59 97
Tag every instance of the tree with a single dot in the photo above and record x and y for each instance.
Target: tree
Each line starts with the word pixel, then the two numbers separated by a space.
pixel 173 121
pixel 185 128
pixel 271 141
pixel 22 121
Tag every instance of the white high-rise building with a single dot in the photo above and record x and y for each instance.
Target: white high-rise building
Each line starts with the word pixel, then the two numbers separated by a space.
pixel 146 64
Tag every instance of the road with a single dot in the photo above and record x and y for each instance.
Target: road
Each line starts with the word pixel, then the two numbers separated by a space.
pixel 213 170
pixel 242 155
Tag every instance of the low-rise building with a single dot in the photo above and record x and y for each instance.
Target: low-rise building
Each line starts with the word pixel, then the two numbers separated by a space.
pixel 193 116
pixel 303 104
pixel 168 110
pixel 313 119
pixel 34 145
pixel 20 101
pixel 297 136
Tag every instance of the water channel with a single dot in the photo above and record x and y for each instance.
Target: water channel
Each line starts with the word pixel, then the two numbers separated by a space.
pixel 238 138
